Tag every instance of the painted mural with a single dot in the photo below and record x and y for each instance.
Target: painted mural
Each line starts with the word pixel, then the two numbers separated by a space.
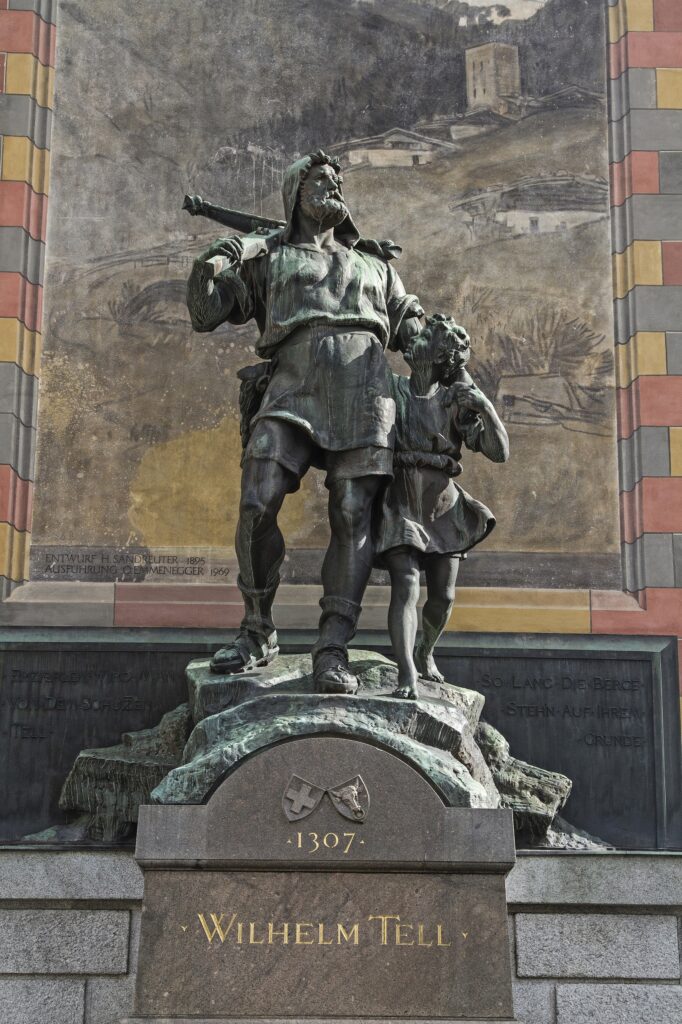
pixel 473 135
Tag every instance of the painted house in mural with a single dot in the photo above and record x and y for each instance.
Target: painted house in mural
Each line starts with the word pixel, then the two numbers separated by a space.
pixel 532 206
pixel 493 73
pixel 398 147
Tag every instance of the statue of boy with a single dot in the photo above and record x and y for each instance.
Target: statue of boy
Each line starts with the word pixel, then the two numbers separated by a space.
pixel 327 304
pixel 426 521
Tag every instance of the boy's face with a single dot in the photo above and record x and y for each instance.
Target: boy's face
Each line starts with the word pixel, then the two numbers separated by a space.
pixel 431 344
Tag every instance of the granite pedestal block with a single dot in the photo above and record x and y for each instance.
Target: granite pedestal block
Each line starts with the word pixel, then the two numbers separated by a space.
pixel 325 878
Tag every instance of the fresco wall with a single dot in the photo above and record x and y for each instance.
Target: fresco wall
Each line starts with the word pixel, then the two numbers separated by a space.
pixel 475 136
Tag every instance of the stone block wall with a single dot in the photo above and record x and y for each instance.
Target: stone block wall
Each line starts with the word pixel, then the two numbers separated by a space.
pixel 595 937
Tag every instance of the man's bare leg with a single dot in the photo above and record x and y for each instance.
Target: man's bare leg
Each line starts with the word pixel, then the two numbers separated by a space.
pixel 441 578
pixel 345 573
pixel 403 568
pixel 260 551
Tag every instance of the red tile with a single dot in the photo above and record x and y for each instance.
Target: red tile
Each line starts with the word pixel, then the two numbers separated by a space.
pixel 19 298
pixel 652 50
pixel 668 15
pixel 672 261
pixel 619 191
pixel 16 499
pixel 617 58
pixel 179 614
pixel 661 614
pixel 21 207
pixel 25 32
pixel 643 173
pixel 626 410
pixel 658 401
pixel 654 505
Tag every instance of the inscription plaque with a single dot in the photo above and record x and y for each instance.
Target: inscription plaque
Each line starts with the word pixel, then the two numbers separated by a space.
pixel 250 913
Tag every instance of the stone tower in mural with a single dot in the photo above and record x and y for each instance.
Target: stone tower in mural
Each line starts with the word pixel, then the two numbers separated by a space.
pixel 493 73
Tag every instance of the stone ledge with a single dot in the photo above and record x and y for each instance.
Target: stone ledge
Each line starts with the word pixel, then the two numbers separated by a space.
pixel 597 946
pixel 599 879
pixel 26 1001
pixel 64 941
pixel 69 875
pixel 537 879
pixel 616 1004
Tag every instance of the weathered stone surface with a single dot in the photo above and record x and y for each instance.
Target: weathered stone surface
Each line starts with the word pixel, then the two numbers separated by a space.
pixel 107 1000
pixel 341 957
pixel 597 946
pixel 561 835
pixel 535 795
pixel 64 941
pixel 110 783
pixel 619 1004
pixel 534 1002
pixel 76 875
pixel 432 735
pixel 613 879
pixel 33 1000
pixel 293 673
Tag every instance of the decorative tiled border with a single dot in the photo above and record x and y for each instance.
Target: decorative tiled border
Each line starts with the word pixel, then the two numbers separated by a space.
pixel 27 32
pixel 645 56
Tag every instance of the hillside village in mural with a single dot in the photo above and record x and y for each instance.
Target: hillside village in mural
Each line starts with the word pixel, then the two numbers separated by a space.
pixel 495 185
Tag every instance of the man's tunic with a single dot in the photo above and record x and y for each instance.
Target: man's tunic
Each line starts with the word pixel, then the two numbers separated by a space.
pixel 325 319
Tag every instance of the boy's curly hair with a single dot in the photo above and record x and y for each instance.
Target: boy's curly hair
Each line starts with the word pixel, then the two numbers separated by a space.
pixel 449 346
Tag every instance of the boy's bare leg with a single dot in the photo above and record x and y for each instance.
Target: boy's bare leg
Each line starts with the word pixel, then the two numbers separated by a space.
pixel 441 578
pixel 403 568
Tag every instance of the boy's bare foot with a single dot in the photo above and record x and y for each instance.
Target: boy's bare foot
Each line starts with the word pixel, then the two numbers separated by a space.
pixel 406 692
pixel 426 666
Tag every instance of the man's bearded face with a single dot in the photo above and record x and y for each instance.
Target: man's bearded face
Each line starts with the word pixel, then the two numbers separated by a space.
pixel 320 197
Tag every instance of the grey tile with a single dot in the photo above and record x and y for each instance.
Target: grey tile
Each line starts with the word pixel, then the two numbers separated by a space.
pixel 64 941
pixel 655 129
pixel 18 393
pixel 21 115
pixel 670 165
pixel 656 217
pixel 17 445
pixel 673 351
pixel 72 875
pixel 649 308
pixel 534 1002
pixel 645 453
pixel 576 880
pixel 677 558
pixel 26 1001
pixel 649 562
pixel 19 253
pixel 634 89
pixel 619 1004
pixel 47 9
pixel 597 946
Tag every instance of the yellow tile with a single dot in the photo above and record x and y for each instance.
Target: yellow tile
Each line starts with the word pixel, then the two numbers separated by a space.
pixel 643 355
pixel 616 22
pixel 502 610
pixel 669 88
pixel 19 345
pixel 14 548
pixel 675 451
pixel 639 15
pixel 26 76
pixel 647 266
pixel 22 161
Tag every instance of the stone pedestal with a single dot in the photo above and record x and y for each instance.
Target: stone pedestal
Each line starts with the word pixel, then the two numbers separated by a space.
pixel 325 878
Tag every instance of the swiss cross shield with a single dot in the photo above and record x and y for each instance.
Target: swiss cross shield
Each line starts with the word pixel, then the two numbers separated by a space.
pixel 351 799
pixel 300 798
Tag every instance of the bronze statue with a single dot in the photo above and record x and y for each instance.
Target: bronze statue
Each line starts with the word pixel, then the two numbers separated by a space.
pixel 426 521
pixel 327 303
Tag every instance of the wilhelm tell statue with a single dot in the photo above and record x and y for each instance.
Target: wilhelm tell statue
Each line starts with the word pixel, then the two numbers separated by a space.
pixel 327 303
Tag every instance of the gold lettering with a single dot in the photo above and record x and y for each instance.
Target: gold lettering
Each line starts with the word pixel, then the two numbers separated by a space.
pixel 439 936
pixel 300 940
pixel 283 931
pixel 320 936
pixel 217 926
pixel 420 937
pixel 384 918
pixel 398 935
pixel 240 929
pixel 253 941
pixel 351 936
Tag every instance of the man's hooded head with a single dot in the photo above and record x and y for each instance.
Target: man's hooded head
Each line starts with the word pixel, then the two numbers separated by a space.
pixel 313 184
